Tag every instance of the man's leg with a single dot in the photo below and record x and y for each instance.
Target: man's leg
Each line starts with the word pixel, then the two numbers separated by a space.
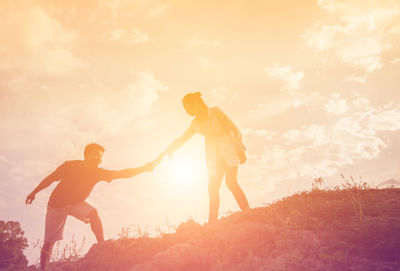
pixel 96 225
pixel 45 254
pixel 54 228
pixel 232 183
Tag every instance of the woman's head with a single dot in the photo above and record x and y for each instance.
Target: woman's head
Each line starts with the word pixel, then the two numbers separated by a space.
pixel 194 104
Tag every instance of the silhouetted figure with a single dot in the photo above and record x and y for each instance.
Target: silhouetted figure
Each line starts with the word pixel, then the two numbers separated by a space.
pixel 77 179
pixel 224 149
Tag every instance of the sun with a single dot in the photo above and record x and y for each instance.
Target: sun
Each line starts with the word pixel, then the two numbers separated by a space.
pixel 185 168
pixel 182 169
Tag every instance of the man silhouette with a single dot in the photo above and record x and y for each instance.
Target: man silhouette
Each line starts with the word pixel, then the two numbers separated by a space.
pixel 77 179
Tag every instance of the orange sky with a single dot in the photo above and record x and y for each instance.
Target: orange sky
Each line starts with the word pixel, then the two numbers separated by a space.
pixel 313 85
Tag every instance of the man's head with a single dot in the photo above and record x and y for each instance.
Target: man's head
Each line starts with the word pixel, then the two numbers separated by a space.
pixel 93 154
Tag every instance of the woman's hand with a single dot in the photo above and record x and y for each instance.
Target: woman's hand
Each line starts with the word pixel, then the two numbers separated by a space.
pixel 160 157
pixel 150 166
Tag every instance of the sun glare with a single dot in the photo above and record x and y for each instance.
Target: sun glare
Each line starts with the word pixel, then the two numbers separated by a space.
pixel 183 169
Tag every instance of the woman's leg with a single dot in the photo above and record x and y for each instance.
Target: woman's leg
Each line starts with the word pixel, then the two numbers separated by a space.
pixel 232 183
pixel 214 186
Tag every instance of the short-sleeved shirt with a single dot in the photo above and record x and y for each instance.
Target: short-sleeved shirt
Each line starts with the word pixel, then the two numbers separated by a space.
pixel 219 140
pixel 216 125
pixel 77 180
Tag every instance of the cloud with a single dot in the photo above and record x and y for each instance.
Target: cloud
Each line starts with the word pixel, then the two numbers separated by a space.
pixel 357 78
pixel 286 74
pixel 388 120
pixel 114 6
pixel 3 204
pixel 204 62
pixel 140 94
pixel 358 32
pixel 275 107
pixel 314 150
pixel 158 11
pixel 32 41
pixel 3 159
pixel 315 134
pixel 195 42
pixel 98 110
pixel 28 169
pixel 336 105
pixel 147 9
pixel 131 37
pixel 395 60
pixel 266 134
pixel 222 92
pixel 111 113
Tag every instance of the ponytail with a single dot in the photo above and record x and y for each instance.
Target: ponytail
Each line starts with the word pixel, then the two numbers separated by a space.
pixel 194 97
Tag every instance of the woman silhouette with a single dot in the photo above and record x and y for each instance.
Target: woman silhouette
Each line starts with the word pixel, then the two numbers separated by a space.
pixel 224 149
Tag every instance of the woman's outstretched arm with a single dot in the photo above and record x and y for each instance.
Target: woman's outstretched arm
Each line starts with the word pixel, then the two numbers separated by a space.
pixel 179 142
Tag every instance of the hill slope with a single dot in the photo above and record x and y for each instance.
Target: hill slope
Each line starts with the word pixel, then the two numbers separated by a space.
pixel 352 229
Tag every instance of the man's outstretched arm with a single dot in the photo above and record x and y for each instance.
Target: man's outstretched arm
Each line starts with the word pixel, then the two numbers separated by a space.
pixel 131 172
pixel 43 184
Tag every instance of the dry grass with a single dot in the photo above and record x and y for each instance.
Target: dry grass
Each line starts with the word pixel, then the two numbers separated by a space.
pixel 351 227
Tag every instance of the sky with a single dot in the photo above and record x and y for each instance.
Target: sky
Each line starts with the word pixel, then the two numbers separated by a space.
pixel 313 86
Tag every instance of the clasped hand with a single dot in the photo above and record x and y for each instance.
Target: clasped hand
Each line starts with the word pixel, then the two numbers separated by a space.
pixel 151 165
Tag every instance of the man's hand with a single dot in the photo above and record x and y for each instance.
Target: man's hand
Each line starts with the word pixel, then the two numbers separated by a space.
pixel 30 198
pixel 159 158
